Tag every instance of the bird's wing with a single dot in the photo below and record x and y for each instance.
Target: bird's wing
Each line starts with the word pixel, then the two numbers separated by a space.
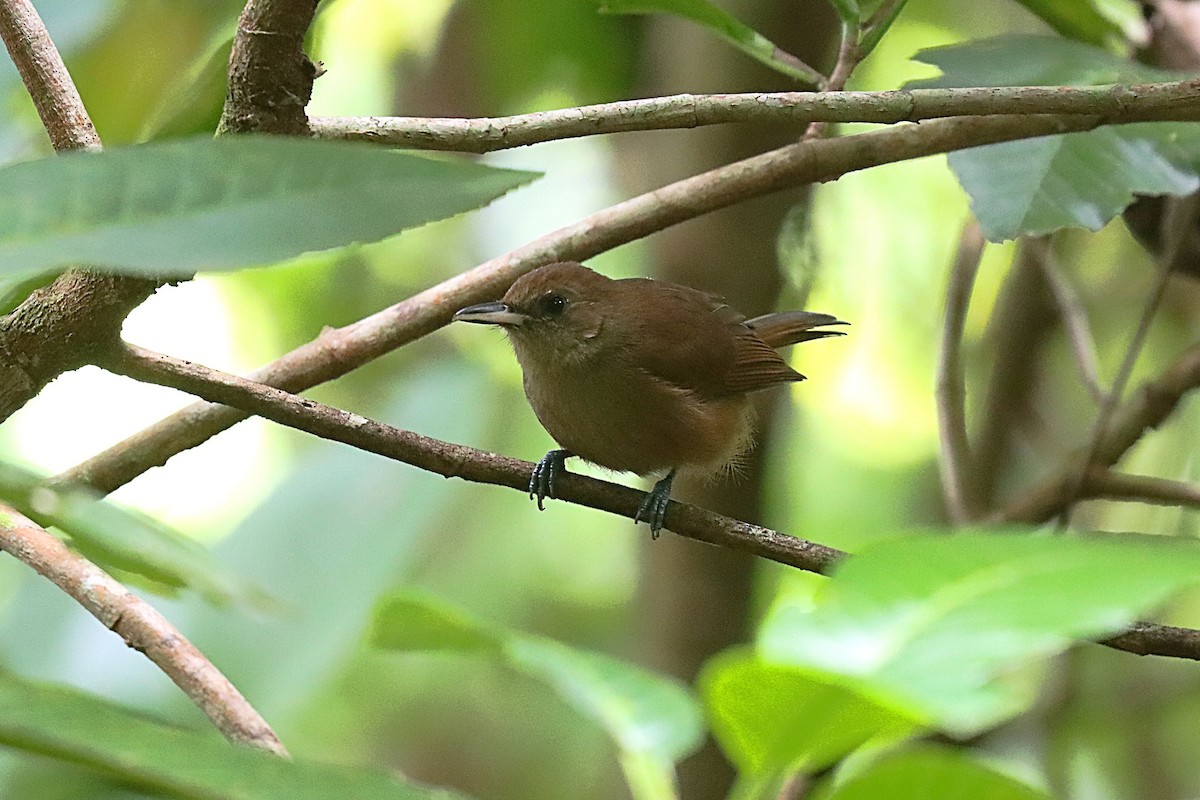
pixel 693 340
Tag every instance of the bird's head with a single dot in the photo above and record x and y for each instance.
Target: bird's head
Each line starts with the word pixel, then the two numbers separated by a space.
pixel 554 312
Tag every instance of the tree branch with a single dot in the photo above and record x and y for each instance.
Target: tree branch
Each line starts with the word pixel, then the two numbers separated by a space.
pixel 458 461
pixel 1177 218
pixel 46 78
pixel 52 331
pixel 1155 401
pixel 483 135
pixel 452 460
pixel 1104 483
pixel 336 352
pixel 142 627
pixel 950 392
pixel 270 77
pixel 1074 318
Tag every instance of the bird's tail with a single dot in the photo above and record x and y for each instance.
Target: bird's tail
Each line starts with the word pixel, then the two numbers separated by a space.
pixel 791 327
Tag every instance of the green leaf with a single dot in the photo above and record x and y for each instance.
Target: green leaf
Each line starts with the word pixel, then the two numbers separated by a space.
pixel 726 26
pixel 1097 22
pixel 944 623
pixel 206 204
pixel 777 719
pixel 654 720
pixel 1028 60
pixel 930 773
pixel 166 760
pixel 124 540
pixel 1036 186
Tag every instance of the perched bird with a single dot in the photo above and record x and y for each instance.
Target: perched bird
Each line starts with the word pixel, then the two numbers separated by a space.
pixel 640 375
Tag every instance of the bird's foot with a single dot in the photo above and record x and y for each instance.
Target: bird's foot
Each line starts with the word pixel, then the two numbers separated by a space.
pixel 653 509
pixel 541 482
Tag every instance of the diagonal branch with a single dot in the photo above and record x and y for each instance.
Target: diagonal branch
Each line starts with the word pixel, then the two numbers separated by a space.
pixel 458 461
pixel 1177 219
pixel 46 78
pixel 142 628
pixel 452 460
pixel 484 135
pixel 1149 408
pixel 1104 483
pixel 1074 318
pixel 337 352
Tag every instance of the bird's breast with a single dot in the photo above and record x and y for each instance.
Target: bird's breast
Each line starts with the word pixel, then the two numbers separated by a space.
pixel 624 419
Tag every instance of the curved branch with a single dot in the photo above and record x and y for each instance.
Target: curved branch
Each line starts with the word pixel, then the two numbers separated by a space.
pixel 458 461
pixel 141 626
pixel 487 134
pixel 1154 402
pixel 950 391
pixel 338 351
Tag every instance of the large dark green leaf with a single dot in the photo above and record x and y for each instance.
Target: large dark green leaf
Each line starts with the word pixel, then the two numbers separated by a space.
pixel 944 623
pixel 171 761
pixel 202 204
pixel 654 720
pixel 1082 179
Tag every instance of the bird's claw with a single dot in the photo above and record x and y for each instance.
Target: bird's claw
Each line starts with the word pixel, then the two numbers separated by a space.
pixel 545 473
pixel 653 509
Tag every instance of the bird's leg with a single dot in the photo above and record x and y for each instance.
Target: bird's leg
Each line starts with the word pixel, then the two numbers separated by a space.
pixel 541 482
pixel 654 508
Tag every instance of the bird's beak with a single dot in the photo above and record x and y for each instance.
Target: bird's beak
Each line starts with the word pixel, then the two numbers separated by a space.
pixel 496 313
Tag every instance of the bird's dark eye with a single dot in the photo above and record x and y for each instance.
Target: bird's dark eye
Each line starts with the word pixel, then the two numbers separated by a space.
pixel 554 304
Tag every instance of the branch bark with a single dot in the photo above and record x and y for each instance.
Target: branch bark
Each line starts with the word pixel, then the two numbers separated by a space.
pixel 142 628
pixel 55 328
pixel 336 352
pixel 487 134
pixel 458 461
pixel 270 76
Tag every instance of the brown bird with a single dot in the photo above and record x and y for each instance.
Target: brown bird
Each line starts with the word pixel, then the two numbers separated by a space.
pixel 640 375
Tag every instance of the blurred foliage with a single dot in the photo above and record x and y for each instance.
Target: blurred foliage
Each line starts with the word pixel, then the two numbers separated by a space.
pixel 336 532
pixel 211 204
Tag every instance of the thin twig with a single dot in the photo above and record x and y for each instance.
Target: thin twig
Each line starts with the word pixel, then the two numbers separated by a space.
pixel 336 352
pixel 1104 483
pixel 1075 321
pixel 458 461
pixel 847 59
pixel 142 627
pixel 482 135
pixel 1179 213
pixel 1149 408
pixel 956 463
